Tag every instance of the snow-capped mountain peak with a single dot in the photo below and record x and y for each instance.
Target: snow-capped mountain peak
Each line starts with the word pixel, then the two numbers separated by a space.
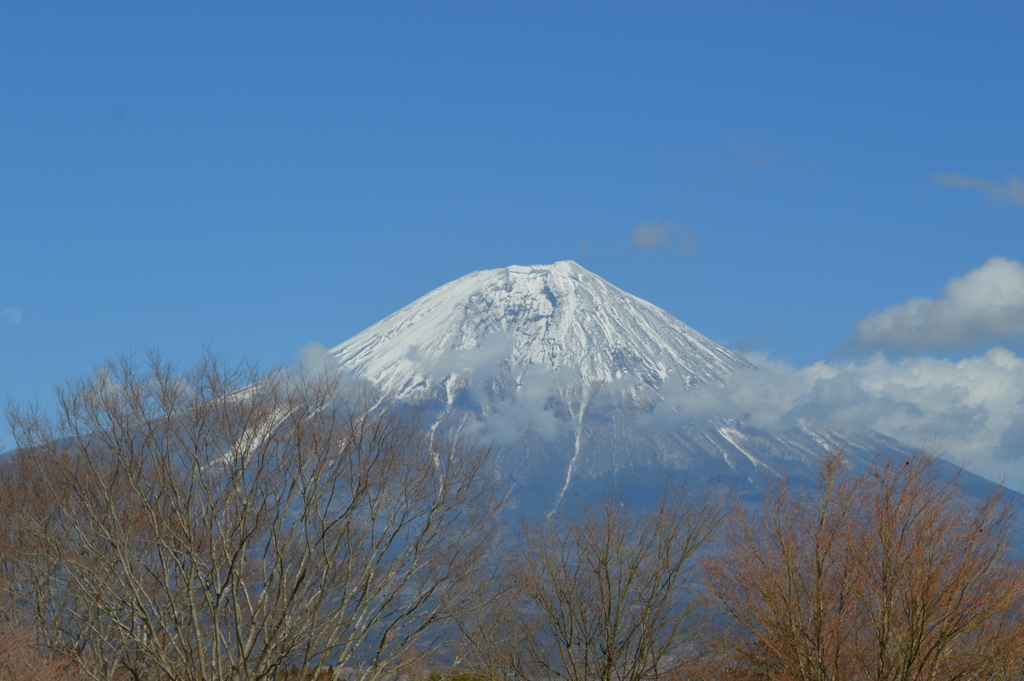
pixel 515 322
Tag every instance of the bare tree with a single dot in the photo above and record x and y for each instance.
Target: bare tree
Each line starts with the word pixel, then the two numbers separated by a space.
pixel 221 523
pixel 890 575
pixel 599 592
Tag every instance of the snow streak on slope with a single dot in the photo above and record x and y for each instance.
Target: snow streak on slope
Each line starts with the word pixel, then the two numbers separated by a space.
pixel 514 323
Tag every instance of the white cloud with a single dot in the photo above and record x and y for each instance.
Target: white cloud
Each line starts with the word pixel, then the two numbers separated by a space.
pixel 476 365
pixel 984 305
pixel 1012 191
pixel 971 410
pixel 314 359
pixel 655 235
pixel 11 316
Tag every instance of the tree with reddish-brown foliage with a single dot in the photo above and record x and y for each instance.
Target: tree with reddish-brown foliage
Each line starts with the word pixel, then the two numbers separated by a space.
pixel 22 659
pixel 892 575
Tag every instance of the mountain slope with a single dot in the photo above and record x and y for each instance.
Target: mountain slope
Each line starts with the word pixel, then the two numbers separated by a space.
pixel 561 371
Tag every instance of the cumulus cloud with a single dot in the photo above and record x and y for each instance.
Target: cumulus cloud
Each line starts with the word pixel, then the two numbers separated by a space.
pixel 1012 191
pixel 11 316
pixel 972 409
pixel 984 305
pixel 656 235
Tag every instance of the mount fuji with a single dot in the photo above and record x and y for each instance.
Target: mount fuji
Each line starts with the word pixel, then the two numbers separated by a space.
pixel 566 376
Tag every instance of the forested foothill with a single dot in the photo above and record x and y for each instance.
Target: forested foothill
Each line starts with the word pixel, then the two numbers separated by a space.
pixel 220 522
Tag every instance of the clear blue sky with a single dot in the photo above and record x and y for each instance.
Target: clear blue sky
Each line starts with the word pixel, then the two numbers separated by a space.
pixel 257 176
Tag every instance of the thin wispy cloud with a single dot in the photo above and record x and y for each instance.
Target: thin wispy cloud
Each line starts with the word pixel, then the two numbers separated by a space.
pixel 1012 191
pixel 656 235
pixel 754 154
pixel 985 305
pixel 11 316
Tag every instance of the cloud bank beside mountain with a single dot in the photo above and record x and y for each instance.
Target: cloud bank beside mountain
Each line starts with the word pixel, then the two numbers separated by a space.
pixel 972 410
pixel 985 305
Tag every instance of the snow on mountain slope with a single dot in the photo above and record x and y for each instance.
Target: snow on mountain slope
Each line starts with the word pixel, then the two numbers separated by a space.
pixel 516 322
pixel 561 372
